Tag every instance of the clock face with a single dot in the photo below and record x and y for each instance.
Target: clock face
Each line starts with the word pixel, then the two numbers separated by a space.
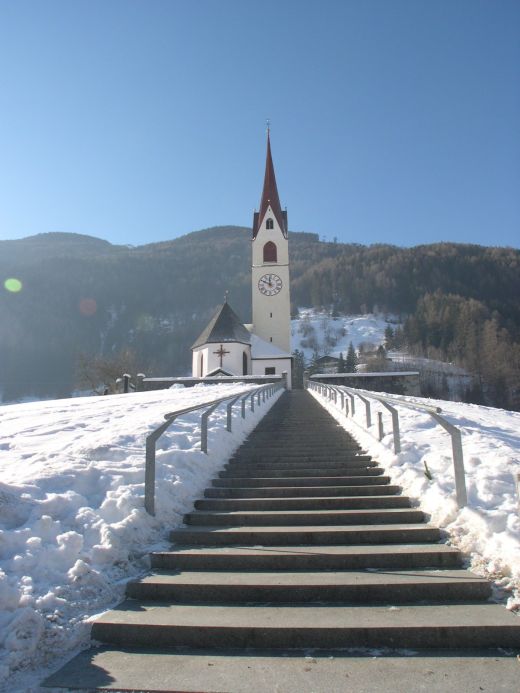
pixel 270 284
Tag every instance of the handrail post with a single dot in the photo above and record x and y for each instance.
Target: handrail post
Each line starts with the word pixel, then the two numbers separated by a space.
pixel 229 413
pixel 352 403
pixel 458 459
pixel 204 427
pixel 380 425
pixel 149 467
pixel 395 426
pixel 368 412
pixel 149 477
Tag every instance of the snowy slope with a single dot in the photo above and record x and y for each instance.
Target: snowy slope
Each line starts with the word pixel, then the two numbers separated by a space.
pixel 314 330
pixel 488 529
pixel 72 524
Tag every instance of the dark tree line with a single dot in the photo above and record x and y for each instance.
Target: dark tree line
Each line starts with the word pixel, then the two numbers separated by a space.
pixel 458 302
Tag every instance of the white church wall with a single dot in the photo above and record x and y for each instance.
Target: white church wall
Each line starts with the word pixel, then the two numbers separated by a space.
pixel 280 365
pixel 195 363
pixel 271 314
pixel 232 361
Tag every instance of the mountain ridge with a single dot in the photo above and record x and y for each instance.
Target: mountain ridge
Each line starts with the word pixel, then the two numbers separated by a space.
pixel 155 298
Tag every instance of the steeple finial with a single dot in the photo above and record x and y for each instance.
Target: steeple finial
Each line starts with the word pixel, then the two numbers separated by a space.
pixel 226 294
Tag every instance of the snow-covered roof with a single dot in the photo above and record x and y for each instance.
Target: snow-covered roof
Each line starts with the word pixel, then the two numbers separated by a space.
pixel 260 349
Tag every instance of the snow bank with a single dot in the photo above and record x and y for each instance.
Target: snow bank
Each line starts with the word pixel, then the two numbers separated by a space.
pixel 488 529
pixel 73 528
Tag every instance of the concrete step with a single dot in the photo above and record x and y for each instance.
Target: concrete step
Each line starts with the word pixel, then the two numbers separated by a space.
pixel 298 491
pixel 303 459
pixel 458 626
pixel 301 472
pixel 262 482
pixel 317 518
pixel 305 535
pixel 316 441
pixel 397 557
pixel 288 671
pixel 304 462
pixel 389 587
pixel 303 503
pixel 294 455
pixel 258 469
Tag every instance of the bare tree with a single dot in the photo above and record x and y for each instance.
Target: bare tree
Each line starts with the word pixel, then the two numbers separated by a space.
pixel 98 374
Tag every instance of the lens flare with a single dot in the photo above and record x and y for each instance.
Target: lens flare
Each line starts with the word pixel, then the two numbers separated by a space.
pixel 87 306
pixel 13 285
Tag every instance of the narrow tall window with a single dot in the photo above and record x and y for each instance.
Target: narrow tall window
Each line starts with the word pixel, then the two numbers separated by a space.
pixel 244 363
pixel 201 365
pixel 270 253
pixel 269 223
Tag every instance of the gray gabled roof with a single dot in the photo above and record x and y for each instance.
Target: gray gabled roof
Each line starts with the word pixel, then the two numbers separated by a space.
pixel 224 326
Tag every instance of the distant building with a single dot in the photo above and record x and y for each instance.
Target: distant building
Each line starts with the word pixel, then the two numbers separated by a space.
pixel 327 364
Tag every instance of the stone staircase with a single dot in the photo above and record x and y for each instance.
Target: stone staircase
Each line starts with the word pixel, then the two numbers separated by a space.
pixel 301 544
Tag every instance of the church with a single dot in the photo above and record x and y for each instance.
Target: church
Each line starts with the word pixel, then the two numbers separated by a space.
pixel 227 347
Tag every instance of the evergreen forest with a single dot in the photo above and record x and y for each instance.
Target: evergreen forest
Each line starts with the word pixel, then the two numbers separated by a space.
pixel 82 298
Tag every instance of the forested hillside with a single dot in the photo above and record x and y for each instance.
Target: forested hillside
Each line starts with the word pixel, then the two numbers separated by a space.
pixel 82 295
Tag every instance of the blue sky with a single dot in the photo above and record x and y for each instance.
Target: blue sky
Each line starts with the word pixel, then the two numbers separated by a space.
pixel 392 121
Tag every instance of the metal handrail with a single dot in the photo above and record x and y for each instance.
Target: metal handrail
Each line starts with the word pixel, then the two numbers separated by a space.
pixel 265 391
pixel 390 403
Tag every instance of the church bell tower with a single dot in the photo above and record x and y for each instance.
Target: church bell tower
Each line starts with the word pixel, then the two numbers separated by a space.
pixel 270 265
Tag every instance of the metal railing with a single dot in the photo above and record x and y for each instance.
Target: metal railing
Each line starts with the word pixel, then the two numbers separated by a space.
pixel 260 394
pixel 391 404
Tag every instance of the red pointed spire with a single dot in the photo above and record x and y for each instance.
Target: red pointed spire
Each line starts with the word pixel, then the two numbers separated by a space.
pixel 270 196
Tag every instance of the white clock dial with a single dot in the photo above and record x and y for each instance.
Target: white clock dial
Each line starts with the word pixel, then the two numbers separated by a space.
pixel 270 284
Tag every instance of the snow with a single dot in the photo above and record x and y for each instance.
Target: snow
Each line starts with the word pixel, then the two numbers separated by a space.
pixel 488 528
pixel 332 336
pixel 73 528
pixel 260 349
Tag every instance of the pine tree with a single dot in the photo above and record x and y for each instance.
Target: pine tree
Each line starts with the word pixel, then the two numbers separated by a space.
pixel 298 367
pixel 389 337
pixel 352 360
pixel 341 363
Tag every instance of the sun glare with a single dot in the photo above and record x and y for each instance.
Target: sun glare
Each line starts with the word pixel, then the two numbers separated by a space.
pixel 13 285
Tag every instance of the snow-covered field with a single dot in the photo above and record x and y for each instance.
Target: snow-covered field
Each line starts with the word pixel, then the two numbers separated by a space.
pixel 332 336
pixel 488 529
pixel 73 528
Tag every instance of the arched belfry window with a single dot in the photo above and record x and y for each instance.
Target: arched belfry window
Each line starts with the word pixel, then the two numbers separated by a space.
pixel 244 363
pixel 269 223
pixel 270 254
